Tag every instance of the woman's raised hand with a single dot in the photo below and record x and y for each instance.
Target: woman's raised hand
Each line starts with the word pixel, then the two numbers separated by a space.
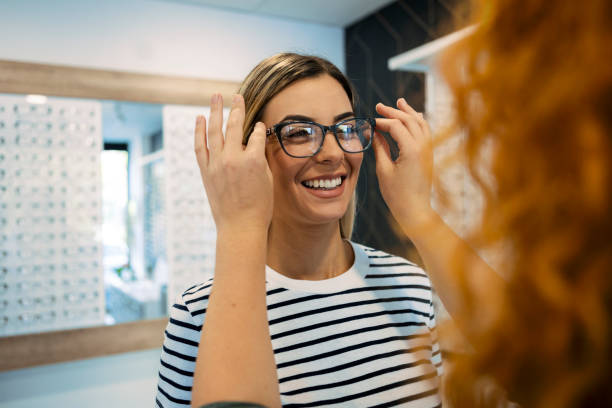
pixel 406 182
pixel 237 178
pixel 238 182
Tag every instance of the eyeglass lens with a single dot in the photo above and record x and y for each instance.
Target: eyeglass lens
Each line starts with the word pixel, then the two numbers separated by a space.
pixel 304 139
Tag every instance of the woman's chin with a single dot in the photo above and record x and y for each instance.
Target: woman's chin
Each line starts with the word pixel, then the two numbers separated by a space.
pixel 314 206
pixel 322 216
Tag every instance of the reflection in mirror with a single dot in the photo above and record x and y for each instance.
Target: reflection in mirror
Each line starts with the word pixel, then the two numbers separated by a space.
pixel 103 218
pixel 135 273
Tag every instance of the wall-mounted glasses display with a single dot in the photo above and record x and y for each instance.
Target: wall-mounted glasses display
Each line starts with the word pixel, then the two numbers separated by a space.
pixel 50 215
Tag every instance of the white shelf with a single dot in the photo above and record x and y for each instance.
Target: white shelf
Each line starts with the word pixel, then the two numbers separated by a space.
pixel 419 59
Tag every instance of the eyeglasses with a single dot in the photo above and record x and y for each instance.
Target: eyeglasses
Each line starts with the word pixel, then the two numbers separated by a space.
pixel 302 139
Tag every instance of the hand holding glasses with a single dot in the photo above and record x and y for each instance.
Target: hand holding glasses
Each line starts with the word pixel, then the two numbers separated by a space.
pixel 405 183
pixel 237 178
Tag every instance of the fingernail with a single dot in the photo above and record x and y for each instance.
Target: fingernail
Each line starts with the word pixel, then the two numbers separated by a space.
pixel 235 99
pixel 402 100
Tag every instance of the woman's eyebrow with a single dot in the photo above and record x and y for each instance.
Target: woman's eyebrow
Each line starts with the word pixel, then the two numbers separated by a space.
pixel 297 117
pixel 344 115
pixel 309 119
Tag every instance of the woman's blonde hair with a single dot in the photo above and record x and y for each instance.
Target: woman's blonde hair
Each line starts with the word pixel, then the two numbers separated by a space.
pixel 533 88
pixel 274 74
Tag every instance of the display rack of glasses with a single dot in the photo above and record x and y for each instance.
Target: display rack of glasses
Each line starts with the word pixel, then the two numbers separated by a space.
pixel 464 204
pixel 50 215
pixel 154 226
pixel 190 228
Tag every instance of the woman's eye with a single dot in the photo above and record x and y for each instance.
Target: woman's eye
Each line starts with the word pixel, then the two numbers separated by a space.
pixel 297 134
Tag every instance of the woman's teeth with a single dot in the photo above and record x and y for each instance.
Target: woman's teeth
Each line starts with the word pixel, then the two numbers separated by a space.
pixel 327 183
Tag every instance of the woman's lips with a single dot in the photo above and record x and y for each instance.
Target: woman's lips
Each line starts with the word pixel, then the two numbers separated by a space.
pixel 325 187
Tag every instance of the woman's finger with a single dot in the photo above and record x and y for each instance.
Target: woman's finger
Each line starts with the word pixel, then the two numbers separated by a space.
pixel 409 120
pixel 405 107
pixel 235 122
pixel 382 152
pixel 215 125
pixel 257 140
pixel 398 132
pixel 199 143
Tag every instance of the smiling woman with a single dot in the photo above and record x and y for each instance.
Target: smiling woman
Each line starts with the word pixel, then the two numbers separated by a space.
pixel 347 324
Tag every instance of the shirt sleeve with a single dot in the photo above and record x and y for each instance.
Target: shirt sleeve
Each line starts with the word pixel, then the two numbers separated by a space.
pixel 177 363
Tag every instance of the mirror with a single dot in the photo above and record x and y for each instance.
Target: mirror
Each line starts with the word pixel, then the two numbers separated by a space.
pixel 87 186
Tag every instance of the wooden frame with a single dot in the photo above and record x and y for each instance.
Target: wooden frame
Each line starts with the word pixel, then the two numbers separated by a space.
pixel 30 350
pixel 53 80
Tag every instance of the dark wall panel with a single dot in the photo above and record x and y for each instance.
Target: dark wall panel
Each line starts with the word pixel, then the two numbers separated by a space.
pixel 370 42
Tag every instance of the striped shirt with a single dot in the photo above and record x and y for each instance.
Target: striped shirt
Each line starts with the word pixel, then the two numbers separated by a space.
pixel 365 338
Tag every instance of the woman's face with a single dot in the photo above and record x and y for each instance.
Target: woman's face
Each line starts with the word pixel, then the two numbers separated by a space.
pixel 319 99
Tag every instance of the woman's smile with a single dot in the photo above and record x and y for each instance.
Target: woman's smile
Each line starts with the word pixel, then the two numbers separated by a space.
pixel 328 186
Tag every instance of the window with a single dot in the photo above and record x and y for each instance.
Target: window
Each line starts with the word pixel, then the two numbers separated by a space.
pixel 116 252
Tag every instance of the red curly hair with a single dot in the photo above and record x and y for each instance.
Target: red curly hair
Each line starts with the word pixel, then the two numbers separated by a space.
pixel 533 88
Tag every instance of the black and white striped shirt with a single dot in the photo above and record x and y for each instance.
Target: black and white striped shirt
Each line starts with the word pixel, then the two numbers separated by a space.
pixel 365 338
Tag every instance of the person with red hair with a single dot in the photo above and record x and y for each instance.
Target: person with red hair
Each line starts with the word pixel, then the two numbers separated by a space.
pixel 533 90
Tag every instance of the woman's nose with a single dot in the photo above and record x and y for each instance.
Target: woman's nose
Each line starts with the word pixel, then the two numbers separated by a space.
pixel 330 151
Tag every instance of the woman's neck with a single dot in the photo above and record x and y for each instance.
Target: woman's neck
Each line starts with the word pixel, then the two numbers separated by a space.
pixel 308 252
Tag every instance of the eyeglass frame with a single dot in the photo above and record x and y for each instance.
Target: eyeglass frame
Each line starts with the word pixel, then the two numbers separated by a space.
pixel 276 131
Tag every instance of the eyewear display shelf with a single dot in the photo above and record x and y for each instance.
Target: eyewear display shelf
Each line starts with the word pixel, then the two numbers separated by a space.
pixel 50 215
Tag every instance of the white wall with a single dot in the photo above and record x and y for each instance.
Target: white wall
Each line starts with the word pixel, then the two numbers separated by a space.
pixel 155 36
pixel 148 36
